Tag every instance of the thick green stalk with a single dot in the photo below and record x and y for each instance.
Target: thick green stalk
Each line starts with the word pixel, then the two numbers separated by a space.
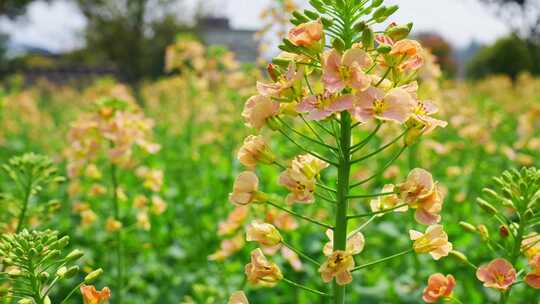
pixel 344 170
pixel 118 236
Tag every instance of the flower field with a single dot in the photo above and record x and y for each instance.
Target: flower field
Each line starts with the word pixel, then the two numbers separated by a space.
pixel 344 172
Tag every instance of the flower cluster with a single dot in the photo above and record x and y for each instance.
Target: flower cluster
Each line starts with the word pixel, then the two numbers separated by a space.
pixel 318 97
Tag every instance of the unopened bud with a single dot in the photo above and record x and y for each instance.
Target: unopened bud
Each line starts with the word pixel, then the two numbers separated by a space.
pixel 367 38
pixel 384 48
pixel 467 226
pixel 503 231
pixel 376 3
pixel 93 275
pixel 399 32
pixel 74 255
pixel 487 207
pixel 483 231
pixel 272 72
pixel 360 26
pixel 459 255
pixel 338 44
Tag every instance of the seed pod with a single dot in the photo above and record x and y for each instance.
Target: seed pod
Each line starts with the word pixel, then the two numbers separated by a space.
pixel 459 255
pixel 93 276
pixel 487 207
pixel 467 226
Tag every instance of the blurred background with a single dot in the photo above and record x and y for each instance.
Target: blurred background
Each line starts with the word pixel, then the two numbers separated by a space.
pixel 127 39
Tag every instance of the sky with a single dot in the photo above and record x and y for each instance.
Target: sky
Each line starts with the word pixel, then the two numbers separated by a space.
pixel 58 26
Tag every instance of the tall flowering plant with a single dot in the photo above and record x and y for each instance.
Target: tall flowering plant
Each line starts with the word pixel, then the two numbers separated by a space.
pixel 104 144
pixel 342 81
pixel 513 239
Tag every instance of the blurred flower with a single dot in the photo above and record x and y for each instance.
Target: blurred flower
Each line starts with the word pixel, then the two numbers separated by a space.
pixel 152 178
pixel 284 85
pixel 253 150
pixel 93 172
pixel 88 217
pixel 140 201
pixel 143 221
pixel 439 287
pixel 344 71
pixel 339 265
pixel 306 34
pixel 158 205
pixel 498 274
pixel 112 225
pixel 91 296
pixel 262 272
pixel 258 109
pixel 533 278
pixel 245 189
pixel 238 297
pixel 227 248
pixel 234 220
pixel 434 241
pixel 531 245
pixel 263 233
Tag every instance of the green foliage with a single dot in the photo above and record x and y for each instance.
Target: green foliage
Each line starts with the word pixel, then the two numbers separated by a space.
pixel 35 263
pixel 509 56
pixel 29 173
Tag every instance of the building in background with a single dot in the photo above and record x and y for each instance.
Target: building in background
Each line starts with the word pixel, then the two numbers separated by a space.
pixel 217 30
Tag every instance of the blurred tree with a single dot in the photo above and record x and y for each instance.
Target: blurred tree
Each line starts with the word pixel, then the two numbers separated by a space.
pixel 509 56
pixel 523 16
pixel 14 8
pixel 131 34
pixel 441 49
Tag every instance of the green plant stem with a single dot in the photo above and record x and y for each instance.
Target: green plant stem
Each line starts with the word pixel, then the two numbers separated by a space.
pixel 118 235
pixel 300 253
pixel 383 260
pixel 382 148
pixel 368 214
pixel 381 171
pixel 71 293
pixel 344 170
pixel 26 201
pixel 371 195
pixel 314 221
pixel 516 251
pixel 320 293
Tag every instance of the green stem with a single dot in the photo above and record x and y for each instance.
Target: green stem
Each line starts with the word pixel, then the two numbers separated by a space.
pixel 314 221
pixel 383 260
pixel 300 253
pixel 324 294
pixel 382 148
pixel 381 171
pixel 26 201
pixel 118 236
pixel 344 170
pixel 377 212
pixel 71 293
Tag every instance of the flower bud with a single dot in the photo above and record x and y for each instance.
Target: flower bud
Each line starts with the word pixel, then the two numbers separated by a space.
pixel 263 233
pixel 318 5
pixel 384 49
pixel 467 226
pixel 487 207
pixel 338 44
pixel 311 14
pixel 503 231
pixel 483 231
pixel 74 255
pixel 399 32
pixel 93 276
pixel 360 26
pixel 367 38
pixel 459 255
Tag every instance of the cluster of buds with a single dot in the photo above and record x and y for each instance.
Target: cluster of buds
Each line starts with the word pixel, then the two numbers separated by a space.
pixel 362 79
pixel 35 262
pixel 30 174
pixel 516 209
